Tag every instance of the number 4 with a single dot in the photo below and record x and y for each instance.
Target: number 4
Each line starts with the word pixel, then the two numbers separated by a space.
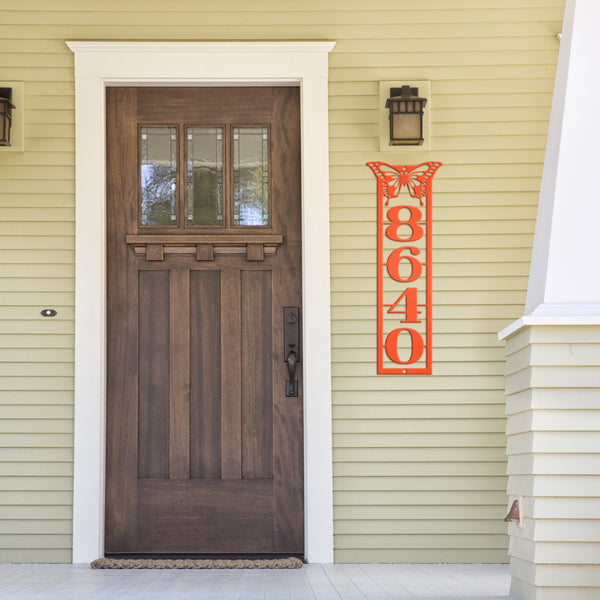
pixel 411 311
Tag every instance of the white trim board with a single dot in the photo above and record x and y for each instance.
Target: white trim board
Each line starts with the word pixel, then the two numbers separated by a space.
pixel 102 64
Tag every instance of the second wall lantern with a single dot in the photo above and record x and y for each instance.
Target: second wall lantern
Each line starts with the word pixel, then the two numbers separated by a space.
pixel 6 107
pixel 406 110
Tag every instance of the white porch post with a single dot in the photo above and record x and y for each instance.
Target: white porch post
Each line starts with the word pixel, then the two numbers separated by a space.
pixel 553 352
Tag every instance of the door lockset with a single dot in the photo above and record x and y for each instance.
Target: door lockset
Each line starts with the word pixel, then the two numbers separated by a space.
pixel 291 347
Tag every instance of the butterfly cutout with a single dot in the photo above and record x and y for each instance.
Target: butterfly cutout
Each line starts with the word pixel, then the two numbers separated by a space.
pixel 417 179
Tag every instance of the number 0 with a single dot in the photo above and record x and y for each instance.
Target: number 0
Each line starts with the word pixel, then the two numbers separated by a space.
pixel 391 346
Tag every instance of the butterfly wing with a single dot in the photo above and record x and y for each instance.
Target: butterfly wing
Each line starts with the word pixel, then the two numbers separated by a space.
pixel 390 178
pixel 419 179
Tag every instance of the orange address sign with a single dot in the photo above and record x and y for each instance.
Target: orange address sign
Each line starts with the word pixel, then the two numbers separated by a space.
pixel 404 267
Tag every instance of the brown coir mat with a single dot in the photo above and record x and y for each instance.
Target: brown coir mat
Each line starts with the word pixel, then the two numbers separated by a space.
pixel 290 562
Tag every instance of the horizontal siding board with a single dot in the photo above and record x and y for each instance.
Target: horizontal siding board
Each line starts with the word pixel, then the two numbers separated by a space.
pixel 442 326
pixel 35 541
pixel 473 241
pixel 343 214
pixel 37 440
pixel 36 483
pixel 560 464
pixel 419 469
pixel 549 442
pixel 422 541
pixel 35 527
pixel 398 411
pixel 377 484
pixel 465 185
pixel 442 284
pixel 29 454
pixel 419 513
pixel 44 326
pixel 557 508
pixel 27 469
pixel 22 313
pixel 35 159
pixel 439 383
pixel 275 14
pixel 37 383
pixel 41 555
pixel 412 555
pixel 442 356
pixel 348 258
pixel 441 340
pixel 392 397
pixel 285 30
pixel 58 356
pixel 485 156
pixel 417 440
pixel 425 497
pixel 27 257
pixel 35 341
pixel 399 454
pixel 37 513
pixel 22 242
pixel 389 527
pixel 36 498
pixel 36 369
pixel 442 313
pixel 429 425
pixel 19 200
pixel 32 215
pixel 368 99
pixel 36 411
pixel 450 86
pixel 8 426
pixel 574 581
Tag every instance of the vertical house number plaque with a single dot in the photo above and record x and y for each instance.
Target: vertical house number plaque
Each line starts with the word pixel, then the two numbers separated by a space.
pixel 404 267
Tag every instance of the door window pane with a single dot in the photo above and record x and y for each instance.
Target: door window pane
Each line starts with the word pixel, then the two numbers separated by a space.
pixel 250 176
pixel 158 173
pixel 205 176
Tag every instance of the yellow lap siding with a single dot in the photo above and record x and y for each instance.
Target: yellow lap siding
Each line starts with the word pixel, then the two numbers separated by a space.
pixel 427 448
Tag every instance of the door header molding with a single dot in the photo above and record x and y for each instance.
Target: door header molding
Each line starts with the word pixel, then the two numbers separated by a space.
pixel 101 64
pixel 213 62
pixel 196 47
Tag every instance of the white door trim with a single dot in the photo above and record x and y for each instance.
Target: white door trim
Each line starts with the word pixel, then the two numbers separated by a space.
pixel 102 64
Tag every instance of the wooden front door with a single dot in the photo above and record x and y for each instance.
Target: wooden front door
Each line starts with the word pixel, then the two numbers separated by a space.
pixel 204 447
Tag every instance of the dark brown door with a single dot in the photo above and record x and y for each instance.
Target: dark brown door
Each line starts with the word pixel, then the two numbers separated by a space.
pixel 204 448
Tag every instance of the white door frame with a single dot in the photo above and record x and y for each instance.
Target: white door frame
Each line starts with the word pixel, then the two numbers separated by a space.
pixel 102 64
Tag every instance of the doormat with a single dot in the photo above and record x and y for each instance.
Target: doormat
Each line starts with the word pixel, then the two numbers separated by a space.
pixel 290 562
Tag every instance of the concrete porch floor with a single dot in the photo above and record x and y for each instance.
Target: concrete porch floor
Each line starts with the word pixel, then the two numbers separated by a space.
pixel 312 582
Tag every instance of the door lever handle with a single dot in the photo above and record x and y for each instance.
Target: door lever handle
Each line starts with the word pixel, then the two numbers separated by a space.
pixel 291 385
pixel 292 350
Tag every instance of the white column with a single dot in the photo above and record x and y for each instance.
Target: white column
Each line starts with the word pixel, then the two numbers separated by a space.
pixel 564 268
pixel 553 351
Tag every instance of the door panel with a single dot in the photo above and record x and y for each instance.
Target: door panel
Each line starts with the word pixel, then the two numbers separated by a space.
pixel 204 450
pixel 205 382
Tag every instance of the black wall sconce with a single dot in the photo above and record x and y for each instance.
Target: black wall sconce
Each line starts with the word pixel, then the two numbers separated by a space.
pixel 406 116
pixel 6 107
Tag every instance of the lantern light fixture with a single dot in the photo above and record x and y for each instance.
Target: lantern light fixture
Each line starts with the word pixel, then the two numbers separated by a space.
pixel 406 110
pixel 6 107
